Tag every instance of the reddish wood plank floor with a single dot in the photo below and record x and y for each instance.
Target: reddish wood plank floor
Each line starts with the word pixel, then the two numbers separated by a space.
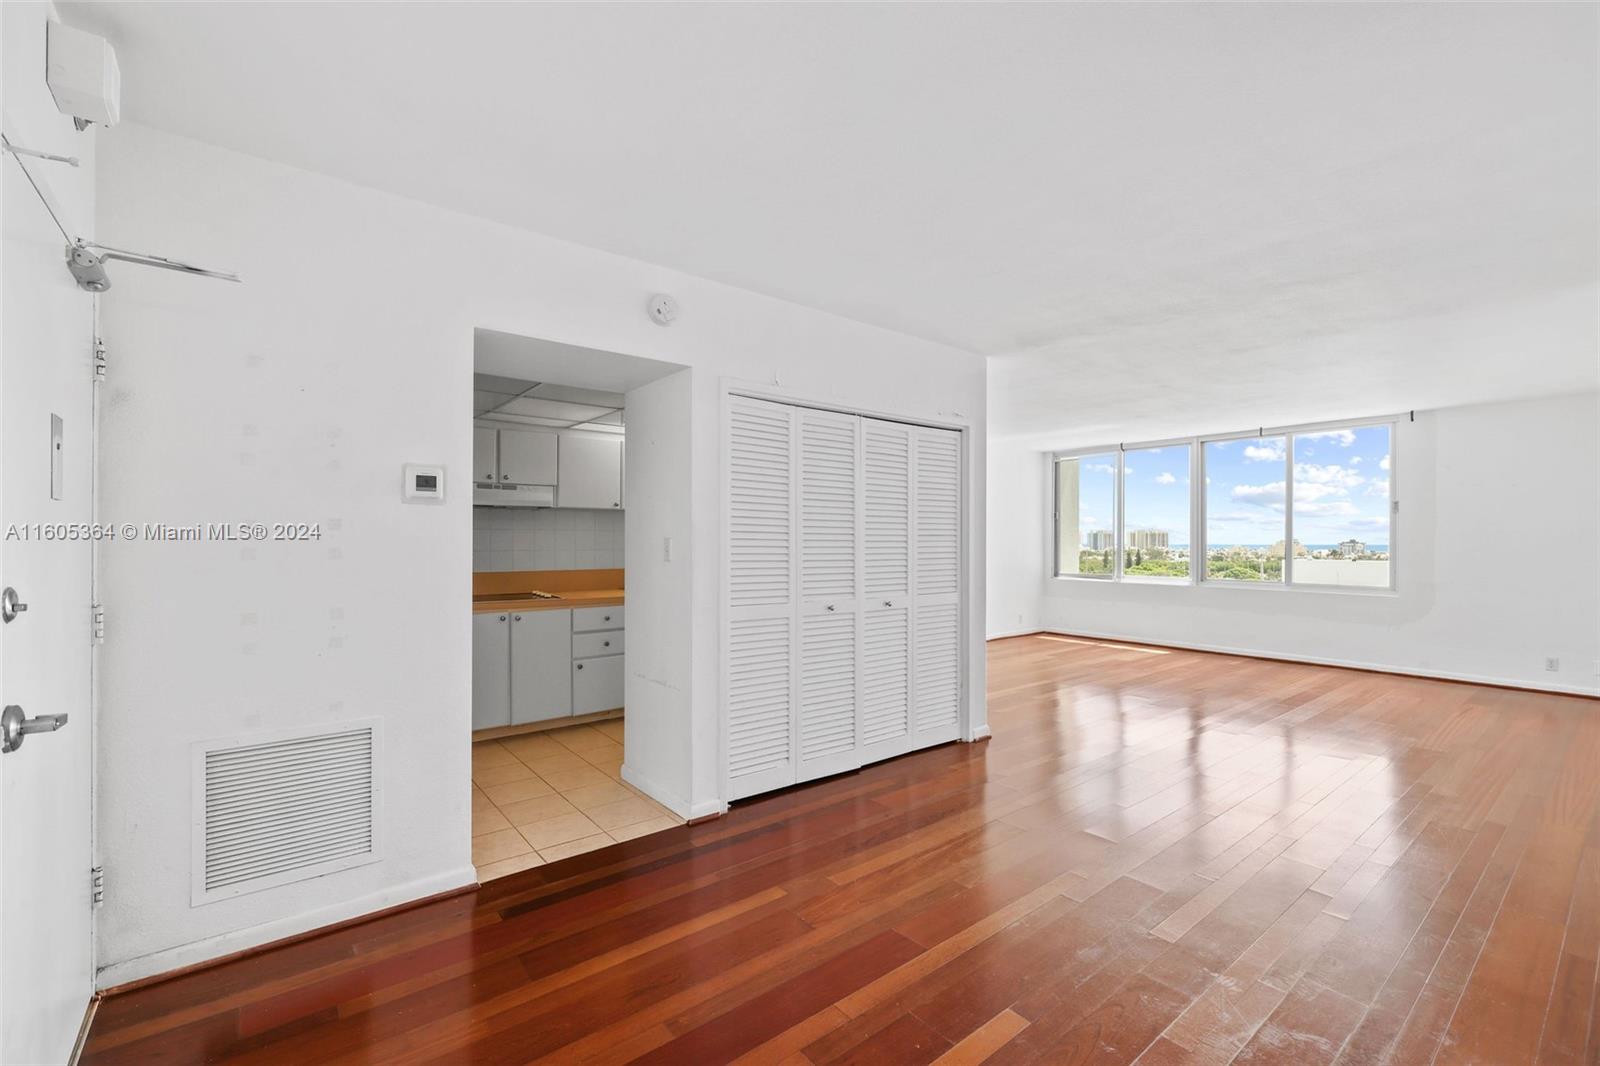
pixel 1162 857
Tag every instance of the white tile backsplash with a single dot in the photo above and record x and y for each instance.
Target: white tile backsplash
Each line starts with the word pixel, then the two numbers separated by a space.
pixel 527 538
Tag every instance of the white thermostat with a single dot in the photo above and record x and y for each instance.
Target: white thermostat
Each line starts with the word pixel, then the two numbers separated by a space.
pixel 423 484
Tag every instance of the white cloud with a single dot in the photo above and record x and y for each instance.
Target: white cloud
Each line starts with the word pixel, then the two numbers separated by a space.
pixel 1272 449
pixel 1258 492
pixel 1334 474
pixel 1378 487
pixel 1100 468
pixel 1165 478
pixel 1356 461
pixel 1383 464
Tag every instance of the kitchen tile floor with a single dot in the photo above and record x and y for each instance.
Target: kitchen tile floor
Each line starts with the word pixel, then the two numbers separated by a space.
pixel 547 796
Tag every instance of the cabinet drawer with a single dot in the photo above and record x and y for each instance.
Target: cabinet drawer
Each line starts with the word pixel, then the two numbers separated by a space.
pixel 589 619
pixel 608 642
pixel 597 684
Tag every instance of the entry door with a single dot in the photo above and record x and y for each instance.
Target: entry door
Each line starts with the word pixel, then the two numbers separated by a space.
pixel 46 372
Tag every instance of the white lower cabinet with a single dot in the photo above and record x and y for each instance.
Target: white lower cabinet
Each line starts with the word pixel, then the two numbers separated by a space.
pixel 597 684
pixel 535 666
pixel 491 670
pixel 597 659
pixel 541 652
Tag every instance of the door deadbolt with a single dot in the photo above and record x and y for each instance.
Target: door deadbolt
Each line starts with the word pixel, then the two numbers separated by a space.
pixel 10 605
pixel 15 724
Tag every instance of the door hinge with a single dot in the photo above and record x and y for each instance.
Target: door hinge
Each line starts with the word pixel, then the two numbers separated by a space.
pixel 97 885
pixel 99 359
pixel 97 623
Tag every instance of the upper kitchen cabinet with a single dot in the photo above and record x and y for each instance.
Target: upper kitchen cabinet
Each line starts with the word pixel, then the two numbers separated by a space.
pixel 589 471
pixel 527 457
pixel 485 455
pixel 513 456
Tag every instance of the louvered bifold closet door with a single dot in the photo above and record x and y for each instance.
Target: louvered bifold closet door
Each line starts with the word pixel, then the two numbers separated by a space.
pixel 886 612
pixel 761 619
pixel 827 730
pixel 936 674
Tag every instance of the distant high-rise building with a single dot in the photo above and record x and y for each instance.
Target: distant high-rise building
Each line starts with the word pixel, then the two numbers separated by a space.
pixel 1100 539
pixel 1147 538
pixel 1352 548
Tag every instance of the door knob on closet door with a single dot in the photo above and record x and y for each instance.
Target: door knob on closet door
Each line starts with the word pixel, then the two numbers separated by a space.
pixel 829 607
pixel 888 603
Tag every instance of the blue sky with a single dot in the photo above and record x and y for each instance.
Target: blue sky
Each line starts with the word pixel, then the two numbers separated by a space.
pixel 1341 489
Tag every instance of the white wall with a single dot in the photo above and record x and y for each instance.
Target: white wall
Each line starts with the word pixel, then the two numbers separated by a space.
pixel 1018 540
pixel 297 395
pixel 545 538
pixel 658 752
pixel 1497 563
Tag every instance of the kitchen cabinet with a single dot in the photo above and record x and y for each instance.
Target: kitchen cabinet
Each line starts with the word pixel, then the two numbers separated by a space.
pixel 527 457
pixel 491 670
pixel 597 684
pixel 598 678
pixel 541 659
pixel 485 455
pixel 589 471
pixel 536 666
pixel 513 456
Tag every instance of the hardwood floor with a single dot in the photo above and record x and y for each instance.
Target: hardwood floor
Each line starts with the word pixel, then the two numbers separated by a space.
pixel 1161 857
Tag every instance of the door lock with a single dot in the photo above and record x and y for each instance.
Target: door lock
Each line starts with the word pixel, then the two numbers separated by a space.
pixel 15 724
pixel 10 605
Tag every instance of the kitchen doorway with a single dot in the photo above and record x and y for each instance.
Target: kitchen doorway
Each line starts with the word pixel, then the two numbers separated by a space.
pixel 554 652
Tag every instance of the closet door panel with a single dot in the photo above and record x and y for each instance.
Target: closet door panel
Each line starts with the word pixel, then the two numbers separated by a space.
pixel 886 725
pixel 885 683
pixel 936 673
pixel 827 730
pixel 761 624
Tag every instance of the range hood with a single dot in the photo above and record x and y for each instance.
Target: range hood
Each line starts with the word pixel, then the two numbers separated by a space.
pixel 513 496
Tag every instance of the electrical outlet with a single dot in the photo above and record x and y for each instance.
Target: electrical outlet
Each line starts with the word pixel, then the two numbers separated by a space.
pixel 1552 663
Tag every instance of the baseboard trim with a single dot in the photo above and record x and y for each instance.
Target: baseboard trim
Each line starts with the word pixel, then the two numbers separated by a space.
pixel 1009 633
pixel 980 733
pixel 168 963
pixel 83 1030
pixel 654 789
pixel 1339 664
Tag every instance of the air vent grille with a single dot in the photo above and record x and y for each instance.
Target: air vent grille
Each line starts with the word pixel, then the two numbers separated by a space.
pixel 284 808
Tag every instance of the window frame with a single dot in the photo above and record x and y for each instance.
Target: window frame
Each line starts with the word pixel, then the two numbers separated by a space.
pixel 1199 546
pixel 1055 511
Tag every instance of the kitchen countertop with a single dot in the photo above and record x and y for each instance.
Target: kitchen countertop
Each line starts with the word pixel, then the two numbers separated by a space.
pixel 564 600
pixel 508 590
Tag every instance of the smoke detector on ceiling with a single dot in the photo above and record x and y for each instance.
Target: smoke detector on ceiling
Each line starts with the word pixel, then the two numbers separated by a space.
pixel 663 309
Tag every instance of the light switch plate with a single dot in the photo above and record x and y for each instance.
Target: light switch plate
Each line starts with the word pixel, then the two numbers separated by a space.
pixel 423 484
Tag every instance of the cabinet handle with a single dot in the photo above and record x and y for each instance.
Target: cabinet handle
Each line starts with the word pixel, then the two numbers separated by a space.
pixel 605 644
pixel 608 618
pixel 580 666
pixel 502 618
pixel 516 618
pixel 505 477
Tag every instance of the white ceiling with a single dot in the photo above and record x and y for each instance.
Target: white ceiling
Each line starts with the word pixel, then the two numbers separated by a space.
pixel 1150 209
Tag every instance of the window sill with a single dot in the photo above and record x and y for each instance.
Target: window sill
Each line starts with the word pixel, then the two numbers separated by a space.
pixel 1316 590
